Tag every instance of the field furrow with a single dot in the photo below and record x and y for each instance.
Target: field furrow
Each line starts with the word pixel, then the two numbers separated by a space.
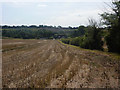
pixel 51 64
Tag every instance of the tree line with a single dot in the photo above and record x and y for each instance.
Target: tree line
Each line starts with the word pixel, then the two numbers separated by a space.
pixel 92 39
pixel 39 26
pixel 37 32
pixel 27 34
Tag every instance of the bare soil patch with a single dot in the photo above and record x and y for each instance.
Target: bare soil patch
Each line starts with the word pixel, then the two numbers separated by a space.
pixel 50 64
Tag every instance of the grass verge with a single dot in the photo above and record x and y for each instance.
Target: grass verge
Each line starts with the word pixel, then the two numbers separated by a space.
pixel 115 56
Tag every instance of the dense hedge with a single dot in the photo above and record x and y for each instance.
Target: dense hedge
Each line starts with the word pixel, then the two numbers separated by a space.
pixel 91 40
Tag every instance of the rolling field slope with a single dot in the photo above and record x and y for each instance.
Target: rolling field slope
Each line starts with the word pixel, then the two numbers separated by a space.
pixel 51 64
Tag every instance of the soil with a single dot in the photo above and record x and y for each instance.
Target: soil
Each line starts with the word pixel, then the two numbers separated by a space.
pixel 51 64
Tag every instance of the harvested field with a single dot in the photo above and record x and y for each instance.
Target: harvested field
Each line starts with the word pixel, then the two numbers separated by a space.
pixel 51 64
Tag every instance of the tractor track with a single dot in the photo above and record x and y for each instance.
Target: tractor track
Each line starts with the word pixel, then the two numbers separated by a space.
pixel 50 64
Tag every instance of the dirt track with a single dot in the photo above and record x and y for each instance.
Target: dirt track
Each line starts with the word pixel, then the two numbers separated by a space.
pixel 48 63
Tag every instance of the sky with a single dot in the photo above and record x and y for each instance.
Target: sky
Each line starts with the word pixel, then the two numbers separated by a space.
pixel 56 13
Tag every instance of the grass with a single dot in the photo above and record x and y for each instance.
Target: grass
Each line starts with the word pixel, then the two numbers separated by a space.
pixel 115 56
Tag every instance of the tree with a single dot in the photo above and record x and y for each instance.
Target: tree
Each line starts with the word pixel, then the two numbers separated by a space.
pixel 92 39
pixel 79 32
pixel 112 20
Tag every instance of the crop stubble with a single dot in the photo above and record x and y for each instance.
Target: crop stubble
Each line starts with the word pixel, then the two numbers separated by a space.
pixel 50 64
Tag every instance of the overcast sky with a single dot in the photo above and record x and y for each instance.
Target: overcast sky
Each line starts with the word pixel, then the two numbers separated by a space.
pixel 63 13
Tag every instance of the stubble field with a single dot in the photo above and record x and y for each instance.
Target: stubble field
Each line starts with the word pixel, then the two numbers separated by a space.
pixel 51 64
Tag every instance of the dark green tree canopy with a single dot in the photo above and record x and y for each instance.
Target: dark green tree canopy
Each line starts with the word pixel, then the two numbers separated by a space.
pixel 112 20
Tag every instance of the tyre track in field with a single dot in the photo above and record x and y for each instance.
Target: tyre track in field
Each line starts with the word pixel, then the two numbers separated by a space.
pixel 50 64
pixel 23 64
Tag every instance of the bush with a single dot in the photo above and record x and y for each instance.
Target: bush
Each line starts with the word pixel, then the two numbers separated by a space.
pixel 66 41
pixel 91 40
pixel 112 20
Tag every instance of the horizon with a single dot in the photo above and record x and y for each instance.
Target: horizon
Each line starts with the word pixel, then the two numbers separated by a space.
pixel 41 24
pixel 63 14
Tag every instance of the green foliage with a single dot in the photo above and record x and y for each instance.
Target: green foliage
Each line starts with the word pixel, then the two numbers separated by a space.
pixel 27 34
pixel 92 39
pixel 79 32
pixel 76 41
pixel 104 33
pixel 112 20
pixel 41 31
pixel 66 41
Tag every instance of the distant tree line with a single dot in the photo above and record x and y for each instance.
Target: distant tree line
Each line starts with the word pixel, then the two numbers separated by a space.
pixel 33 31
pixel 37 32
pixel 27 34
pixel 39 26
